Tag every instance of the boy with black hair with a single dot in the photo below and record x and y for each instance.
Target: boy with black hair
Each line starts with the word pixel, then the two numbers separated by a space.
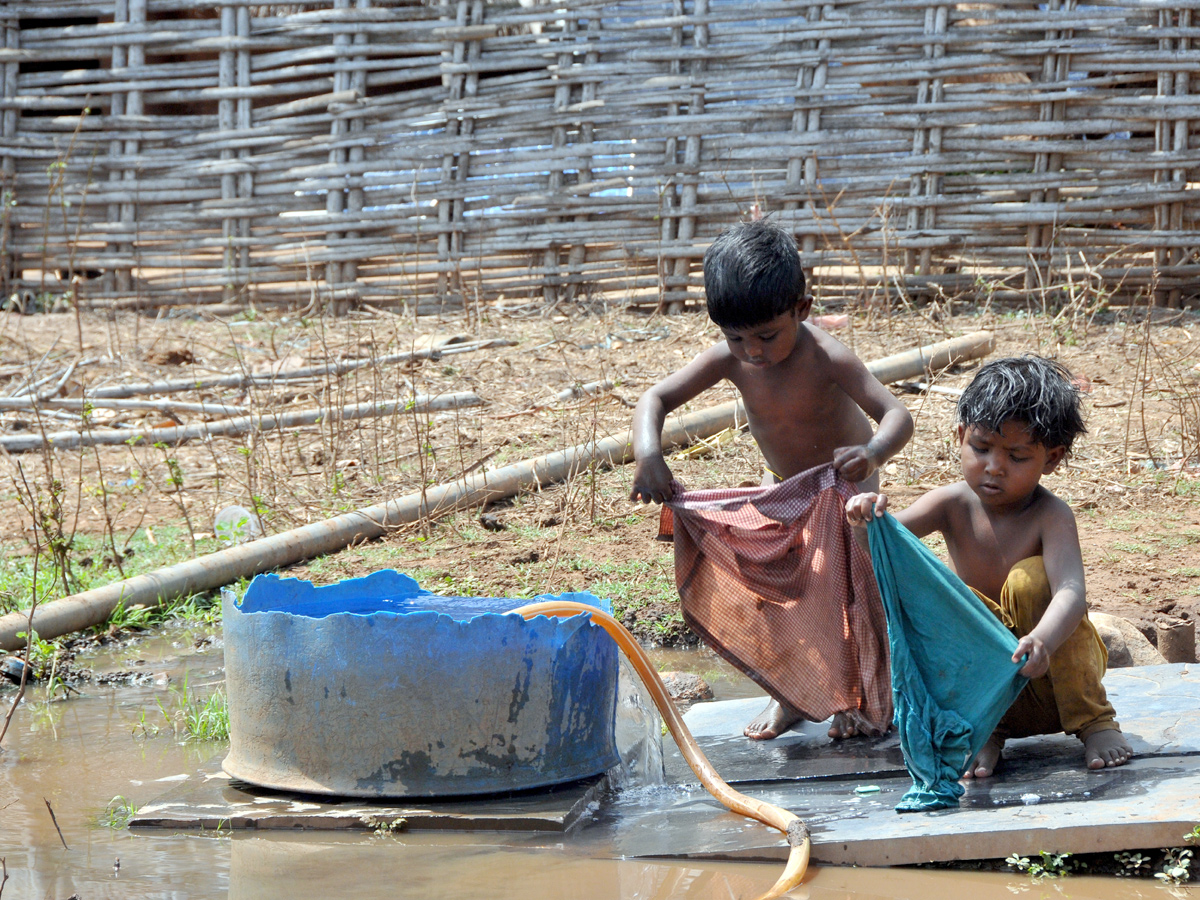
pixel 1011 539
pixel 807 398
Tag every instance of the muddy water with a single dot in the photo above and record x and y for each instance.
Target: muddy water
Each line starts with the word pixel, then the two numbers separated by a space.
pixel 80 754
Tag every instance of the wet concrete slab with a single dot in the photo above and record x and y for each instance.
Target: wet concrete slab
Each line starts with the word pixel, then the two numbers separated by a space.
pixel 211 800
pixel 1042 799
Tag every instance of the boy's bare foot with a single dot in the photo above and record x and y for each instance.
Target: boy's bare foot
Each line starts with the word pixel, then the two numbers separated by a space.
pixel 842 727
pixel 1106 748
pixel 986 759
pixel 771 722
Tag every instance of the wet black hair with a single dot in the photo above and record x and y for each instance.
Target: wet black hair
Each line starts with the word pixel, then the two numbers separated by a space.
pixel 1031 389
pixel 752 274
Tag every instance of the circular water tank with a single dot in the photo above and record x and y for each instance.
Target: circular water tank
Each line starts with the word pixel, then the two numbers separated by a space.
pixel 373 687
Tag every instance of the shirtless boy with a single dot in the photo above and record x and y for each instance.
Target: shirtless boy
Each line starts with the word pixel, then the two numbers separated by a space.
pixel 1011 539
pixel 804 392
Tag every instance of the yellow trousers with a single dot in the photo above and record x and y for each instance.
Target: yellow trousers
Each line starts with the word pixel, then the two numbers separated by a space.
pixel 1070 697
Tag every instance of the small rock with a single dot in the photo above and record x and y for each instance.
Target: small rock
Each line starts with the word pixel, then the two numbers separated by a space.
pixel 491 522
pixel 11 669
pixel 1126 645
pixel 684 687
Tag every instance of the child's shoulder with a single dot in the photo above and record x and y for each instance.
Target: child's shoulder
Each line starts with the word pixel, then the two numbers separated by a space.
pixel 824 349
pixel 1048 506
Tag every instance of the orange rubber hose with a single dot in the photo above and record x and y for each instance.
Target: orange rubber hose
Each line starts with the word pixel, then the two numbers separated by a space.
pixel 789 823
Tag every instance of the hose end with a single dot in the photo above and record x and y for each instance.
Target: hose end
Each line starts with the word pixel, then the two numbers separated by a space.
pixel 797 833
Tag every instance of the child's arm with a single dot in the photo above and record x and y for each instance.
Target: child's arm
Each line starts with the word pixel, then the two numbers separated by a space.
pixel 652 475
pixel 894 424
pixel 926 515
pixel 1068 603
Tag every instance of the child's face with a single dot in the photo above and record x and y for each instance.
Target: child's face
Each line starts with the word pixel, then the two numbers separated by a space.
pixel 766 344
pixel 1003 468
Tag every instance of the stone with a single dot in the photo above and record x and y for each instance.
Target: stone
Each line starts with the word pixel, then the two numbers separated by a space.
pixel 686 688
pixel 1126 645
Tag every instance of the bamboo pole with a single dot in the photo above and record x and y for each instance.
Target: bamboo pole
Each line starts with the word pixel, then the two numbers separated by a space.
pixel 257 422
pixel 246 379
pixel 214 570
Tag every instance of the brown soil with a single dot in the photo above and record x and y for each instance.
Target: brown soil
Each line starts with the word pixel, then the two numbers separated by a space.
pixel 1133 480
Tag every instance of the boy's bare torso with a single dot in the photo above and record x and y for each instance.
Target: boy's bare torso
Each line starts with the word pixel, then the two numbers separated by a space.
pixel 984 544
pixel 797 411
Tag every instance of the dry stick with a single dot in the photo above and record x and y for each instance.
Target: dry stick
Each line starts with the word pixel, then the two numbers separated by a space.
pixel 58 385
pixel 571 393
pixel 54 819
pixel 163 406
pixel 240 425
pixel 3 873
pixel 246 380
pixel 32 370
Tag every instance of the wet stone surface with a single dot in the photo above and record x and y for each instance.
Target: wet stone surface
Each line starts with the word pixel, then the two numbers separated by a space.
pixel 1043 797
pixel 210 799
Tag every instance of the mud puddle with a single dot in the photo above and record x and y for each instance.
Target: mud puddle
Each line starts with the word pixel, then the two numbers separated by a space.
pixel 91 758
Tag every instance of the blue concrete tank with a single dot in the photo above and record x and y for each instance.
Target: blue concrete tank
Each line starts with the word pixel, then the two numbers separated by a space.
pixel 373 687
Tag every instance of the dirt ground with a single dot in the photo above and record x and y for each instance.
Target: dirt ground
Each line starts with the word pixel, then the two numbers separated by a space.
pixel 1133 480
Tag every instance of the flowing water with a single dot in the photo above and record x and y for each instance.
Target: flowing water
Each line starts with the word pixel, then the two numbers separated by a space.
pixel 90 756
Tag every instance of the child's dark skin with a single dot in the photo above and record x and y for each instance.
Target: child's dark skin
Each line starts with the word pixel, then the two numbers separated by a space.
pixel 805 395
pixel 998 515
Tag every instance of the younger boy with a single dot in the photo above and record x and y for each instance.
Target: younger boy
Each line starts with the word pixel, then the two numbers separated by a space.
pixel 1011 539
pixel 804 393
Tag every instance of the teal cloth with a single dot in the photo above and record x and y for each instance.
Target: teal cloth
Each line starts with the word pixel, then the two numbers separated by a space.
pixel 953 677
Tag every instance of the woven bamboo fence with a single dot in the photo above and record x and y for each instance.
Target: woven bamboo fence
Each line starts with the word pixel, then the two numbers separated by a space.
pixel 416 154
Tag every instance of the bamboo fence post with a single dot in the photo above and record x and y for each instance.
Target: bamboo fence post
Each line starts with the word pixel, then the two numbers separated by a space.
pixel 454 159
pixel 1056 68
pixel 686 229
pixel 1171 138
pixel 335 197
pixel 553 290
pixel 668 198
pixel 9 73
pixel 356 153
pixel 470 89
pixel 803 169
pixel 135 55
pixel 577 255
pixel 925 186
pixel 112 281
pixel 227 124
pixel 245 124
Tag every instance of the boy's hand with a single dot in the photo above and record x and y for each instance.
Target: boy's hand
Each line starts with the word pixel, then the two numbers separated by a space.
pixel 854 463
pixel 652 481
pixel 859 508
pixel 1038 663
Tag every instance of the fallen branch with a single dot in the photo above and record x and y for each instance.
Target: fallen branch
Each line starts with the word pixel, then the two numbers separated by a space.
pixel 240 425
pixel 245 380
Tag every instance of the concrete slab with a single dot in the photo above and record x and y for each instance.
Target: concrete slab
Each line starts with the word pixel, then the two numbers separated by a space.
pixel 210 799
pixel 1042 800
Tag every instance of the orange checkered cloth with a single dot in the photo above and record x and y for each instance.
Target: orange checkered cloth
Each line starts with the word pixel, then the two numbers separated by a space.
pixel 773 580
